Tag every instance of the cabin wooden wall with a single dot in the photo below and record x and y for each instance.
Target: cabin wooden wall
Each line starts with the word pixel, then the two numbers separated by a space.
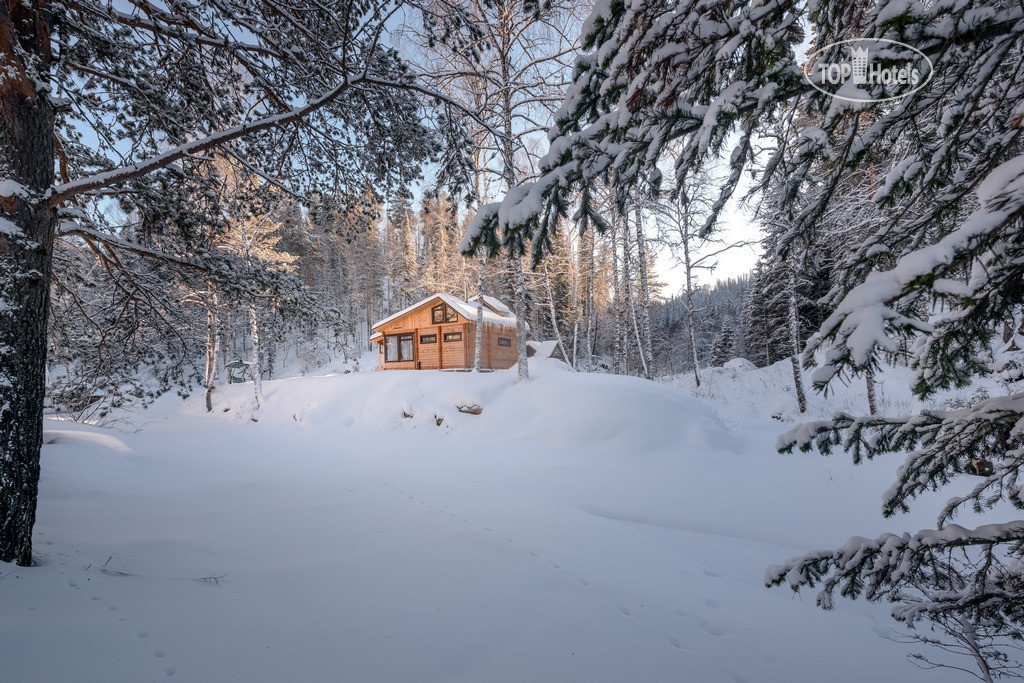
pixel 442 354
pixel 495 356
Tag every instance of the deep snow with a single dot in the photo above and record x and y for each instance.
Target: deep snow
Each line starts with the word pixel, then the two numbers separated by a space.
pixel 582 528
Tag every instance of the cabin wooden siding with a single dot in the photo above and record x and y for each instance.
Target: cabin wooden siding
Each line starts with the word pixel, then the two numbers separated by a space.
pixel 442 355
pixel 493 354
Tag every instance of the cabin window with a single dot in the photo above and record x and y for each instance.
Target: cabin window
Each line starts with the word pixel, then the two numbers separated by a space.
pixel 428 339
pixel 504 341
pixel 452 336
pixel 397 347
pixel 443 314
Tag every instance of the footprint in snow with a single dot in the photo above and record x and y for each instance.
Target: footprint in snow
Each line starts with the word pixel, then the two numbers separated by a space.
pixel 711 602
pixel 713 629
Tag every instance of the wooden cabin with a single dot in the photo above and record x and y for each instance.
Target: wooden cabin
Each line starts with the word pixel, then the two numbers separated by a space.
pixel 439 333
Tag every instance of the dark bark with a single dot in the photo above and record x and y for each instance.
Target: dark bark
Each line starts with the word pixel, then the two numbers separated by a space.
pixel 26 249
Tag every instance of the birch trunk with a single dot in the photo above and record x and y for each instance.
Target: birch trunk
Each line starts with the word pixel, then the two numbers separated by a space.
pixel 629 310
pixel 212 343
pixel 478 355
pixel 691 318
pixel 554 317
pixel 524 368
pixel 587 254
pixel 509 176
pixel 255 361
pixel 646 346
pixel 618 350
pixel 794 342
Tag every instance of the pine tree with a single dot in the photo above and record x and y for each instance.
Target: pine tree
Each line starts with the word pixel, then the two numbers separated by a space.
pixel 139 98
pixel 723 351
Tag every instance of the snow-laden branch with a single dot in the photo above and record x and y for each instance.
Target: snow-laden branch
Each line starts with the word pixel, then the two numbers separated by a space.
pixel 72 229
pixel 62 193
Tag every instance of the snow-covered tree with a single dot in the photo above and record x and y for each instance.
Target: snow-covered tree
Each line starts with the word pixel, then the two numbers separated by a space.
pixel 104 103
pixel 724 349
pixel 951 185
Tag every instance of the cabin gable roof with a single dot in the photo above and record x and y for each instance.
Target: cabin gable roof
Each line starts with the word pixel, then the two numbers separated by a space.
pixel 463 308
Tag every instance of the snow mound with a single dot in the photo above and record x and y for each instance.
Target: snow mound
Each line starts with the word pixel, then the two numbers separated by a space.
pixel 625 414
pixel 741 364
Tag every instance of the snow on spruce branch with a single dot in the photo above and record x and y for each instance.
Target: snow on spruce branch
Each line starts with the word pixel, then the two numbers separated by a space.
pixel 868 319
pixel 891 565
pixel 946 443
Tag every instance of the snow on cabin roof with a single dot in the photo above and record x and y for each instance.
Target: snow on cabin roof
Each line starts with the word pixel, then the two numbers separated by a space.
pixel 499 307
pixel 463 308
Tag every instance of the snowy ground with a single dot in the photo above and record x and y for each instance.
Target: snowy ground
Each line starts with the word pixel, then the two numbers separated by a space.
pixel 582 528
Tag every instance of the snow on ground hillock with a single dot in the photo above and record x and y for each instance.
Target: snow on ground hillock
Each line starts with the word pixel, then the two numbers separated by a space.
pixel 581 528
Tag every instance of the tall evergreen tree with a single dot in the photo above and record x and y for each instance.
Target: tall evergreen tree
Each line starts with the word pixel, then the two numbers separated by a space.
pixel 724 346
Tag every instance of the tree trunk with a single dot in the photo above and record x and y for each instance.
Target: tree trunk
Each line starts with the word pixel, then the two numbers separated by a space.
pixel 691 318
pixel 554 318
pixel 618 350
pixel 524 368
pixel 509 176
pixel 255 361
pixel 629 309
pixel 869 380
pixel 212 340
pixel 794 341
pixel 478 355
pixel 27 224
pixel 587 254
pixel 646 346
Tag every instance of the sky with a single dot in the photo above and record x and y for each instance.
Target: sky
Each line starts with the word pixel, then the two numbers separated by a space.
pixel 736 226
